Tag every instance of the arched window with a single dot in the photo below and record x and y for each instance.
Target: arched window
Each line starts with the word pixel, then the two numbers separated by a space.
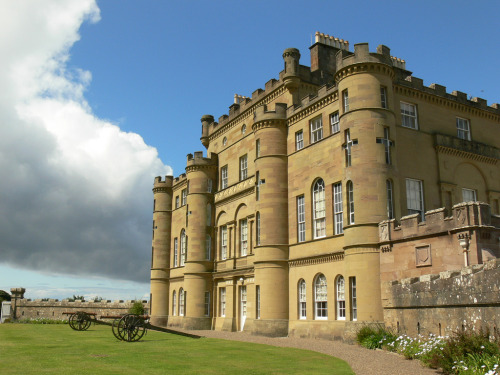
pixel 350 202
pixel 181 302
pixel 174 303
pixel 183 247
pixel 208 247
pixel 390 205
pixel 340 291
pixel 319 209
pixel 302 299
pixel 320 298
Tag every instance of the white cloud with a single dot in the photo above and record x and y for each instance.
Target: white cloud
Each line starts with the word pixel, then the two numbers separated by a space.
pixel 75 190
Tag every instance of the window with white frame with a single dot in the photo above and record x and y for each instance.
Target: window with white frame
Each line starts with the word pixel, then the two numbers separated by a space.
pixel 390 201
pixel 222 300
pixel 174 303
pixel 209 185
pixel 257 304
pixel 463 129
pixel 383 97
pixel 299 140
pixel 319 210
pixel 345 100
pixel 320 298
pixel 354 302
pixel 340 291
pixel 302 300
pixel 257 228
pixel 415 197
pixel 181 302
pixel 177 202
pixel 349 143
pixel 350 202
pixel 335 122
pixel 338 212
pixel 301 219
pixel 208 247
pixel 223 242
pixel 183 247
pixel 223 177
pixel 243 167
pixel 243 237
pixel 207 303
pixel 316 129
pixel 409 115
pixel 184 197
pixel 176 252
pixel 469 195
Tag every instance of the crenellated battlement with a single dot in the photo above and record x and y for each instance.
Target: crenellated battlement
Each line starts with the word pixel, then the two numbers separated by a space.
pixel 330 40
pixel 439 90
pixel 262 113
pixel 199 160
pixel 166 183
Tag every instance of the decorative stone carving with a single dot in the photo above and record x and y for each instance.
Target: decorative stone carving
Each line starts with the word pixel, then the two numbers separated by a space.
pixel 423 255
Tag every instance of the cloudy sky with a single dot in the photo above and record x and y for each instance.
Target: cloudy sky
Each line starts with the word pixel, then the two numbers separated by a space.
pixel 97 98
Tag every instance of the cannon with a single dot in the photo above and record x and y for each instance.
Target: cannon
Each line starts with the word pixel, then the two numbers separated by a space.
pixel 129 327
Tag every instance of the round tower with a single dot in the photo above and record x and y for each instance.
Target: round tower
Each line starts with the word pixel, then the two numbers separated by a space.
pixel 367 119
pixel 201 174
pixel 160 262
pixel 271 252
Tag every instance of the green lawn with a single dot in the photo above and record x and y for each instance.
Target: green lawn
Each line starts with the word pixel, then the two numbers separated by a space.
pixel 57 349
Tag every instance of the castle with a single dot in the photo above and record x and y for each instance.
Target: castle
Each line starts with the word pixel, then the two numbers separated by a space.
pixel 323 194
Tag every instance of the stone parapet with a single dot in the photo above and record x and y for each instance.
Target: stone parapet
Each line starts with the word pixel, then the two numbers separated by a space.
pixel 54 309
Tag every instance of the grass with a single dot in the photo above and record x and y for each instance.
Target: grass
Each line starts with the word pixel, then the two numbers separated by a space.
pixel 56 349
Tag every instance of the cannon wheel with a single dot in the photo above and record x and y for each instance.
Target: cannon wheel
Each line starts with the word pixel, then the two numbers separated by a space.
pixel 114 328
pixel 80 321
pixel 130 328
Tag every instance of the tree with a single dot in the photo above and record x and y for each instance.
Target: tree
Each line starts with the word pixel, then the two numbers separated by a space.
pixel 137 308
pixel 4 296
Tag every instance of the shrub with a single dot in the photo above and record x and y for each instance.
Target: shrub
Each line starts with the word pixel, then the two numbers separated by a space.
pixel 137 308
pixel 374 337
pixel 469 348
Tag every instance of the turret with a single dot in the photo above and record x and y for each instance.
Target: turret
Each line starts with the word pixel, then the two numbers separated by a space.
pixel 201 173
pixel 160 262
pixel 206 120
pixel 271 252
pixel 365 82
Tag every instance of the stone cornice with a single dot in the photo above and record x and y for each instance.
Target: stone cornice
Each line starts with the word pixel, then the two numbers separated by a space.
pixel 162 189
pixel 320 104
pixel 447 102
pixel 364 67
pixel 280 90
pixel 194 168
pixel 328 258
pixel 236 190
pixel 269 123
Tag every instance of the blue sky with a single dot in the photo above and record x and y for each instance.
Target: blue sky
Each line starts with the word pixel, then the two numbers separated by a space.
pixel 98 98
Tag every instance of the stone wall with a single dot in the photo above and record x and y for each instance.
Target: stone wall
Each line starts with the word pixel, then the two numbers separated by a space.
pixel 23 308
pixel 446 302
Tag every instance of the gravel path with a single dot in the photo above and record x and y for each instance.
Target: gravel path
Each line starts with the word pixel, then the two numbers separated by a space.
pixel 362 361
